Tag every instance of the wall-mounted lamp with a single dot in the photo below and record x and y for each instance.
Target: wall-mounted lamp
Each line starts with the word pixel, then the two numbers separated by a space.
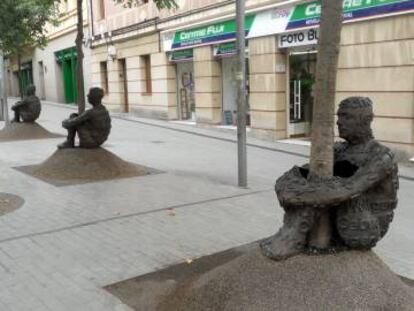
pixel 112 53
pixel 110 47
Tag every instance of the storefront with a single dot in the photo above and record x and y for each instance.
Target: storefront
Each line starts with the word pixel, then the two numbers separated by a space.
pixel 213 64
pixel 226 54
pixel 375 61
pixel 183 60
pixel 301 50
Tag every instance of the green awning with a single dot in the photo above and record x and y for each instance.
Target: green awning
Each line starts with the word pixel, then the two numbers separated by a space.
pixel 225 49
pixel 181 55
pixel 66 54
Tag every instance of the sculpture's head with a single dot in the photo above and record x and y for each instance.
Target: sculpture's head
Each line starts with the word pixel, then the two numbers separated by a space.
pixel 355 115
pixel 30 90
pixel 95 95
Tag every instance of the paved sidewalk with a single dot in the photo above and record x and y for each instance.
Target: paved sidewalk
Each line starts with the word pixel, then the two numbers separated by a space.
pixel 66 243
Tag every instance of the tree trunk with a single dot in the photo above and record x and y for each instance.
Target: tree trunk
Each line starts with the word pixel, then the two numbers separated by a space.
pixel 19 74
pixel 79 51
pixel 321 162
pixel 2 88
pixel 241 94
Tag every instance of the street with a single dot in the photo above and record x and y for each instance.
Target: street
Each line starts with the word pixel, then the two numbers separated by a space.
pixel 66 243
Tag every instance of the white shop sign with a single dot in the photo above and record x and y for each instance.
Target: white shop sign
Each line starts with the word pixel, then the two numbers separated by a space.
pixel 300 38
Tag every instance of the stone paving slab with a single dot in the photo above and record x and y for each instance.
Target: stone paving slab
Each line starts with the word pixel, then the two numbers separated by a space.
pixel 64 244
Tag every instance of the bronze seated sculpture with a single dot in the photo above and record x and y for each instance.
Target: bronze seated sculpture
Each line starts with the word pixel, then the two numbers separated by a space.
pixel 28 109
pixel 92 126
pixel 360 198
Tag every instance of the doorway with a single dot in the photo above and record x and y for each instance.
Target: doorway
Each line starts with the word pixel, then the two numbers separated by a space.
pixel 229 67
pixel 67 62
pixel 69 80
pixel 302 69
pixel 42 91
pixel 26 76
pixel 185 91
pixel 230 90
pixel 124 82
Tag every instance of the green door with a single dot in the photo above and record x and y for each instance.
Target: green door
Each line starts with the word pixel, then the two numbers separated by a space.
pixel 67 59
pixel 68 83
pixel 26 76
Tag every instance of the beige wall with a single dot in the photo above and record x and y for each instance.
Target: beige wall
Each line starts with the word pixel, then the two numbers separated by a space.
pixel 377 61
pixel 161 103
pixel 267 89
pixel 208 84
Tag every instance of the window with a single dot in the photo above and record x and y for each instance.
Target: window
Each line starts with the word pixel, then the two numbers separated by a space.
pixel 104 76
pixel 101 9
pixel 147 85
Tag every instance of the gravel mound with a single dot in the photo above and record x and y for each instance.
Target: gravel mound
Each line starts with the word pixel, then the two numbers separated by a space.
pixel 25 131
pixel 85 165
pixel 345 281
pixel 9 203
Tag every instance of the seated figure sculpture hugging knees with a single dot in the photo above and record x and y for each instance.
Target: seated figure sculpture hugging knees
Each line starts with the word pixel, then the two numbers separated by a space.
pixel 360 198
pixel 93 126
pixel 29 108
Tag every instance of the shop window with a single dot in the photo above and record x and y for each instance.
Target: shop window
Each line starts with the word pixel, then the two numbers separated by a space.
pixel 147 79
pixel 104 76
pixel 101 9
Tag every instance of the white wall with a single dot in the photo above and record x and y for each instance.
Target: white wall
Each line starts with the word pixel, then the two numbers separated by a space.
pixel 53 74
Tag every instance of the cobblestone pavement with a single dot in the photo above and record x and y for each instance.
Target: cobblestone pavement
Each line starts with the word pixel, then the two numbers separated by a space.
pixel 66 243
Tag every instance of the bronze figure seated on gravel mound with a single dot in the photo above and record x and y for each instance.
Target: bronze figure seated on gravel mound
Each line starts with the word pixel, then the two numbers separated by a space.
pixel 360 197
pixel 93 126
pixel 29 108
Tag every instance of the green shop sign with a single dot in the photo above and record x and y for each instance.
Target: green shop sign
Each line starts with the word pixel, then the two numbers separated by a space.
pixel 282 20
pixel 213 33
pixel 308 14
pixel 225 49
pixel 181 55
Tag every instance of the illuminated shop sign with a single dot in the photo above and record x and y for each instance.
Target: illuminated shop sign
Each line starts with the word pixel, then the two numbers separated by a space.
pixel 277 21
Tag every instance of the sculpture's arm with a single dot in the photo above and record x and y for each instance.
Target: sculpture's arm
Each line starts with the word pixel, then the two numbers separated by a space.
pixel 76 121
pixel 378 168
pixel 20 103
pixel 294 190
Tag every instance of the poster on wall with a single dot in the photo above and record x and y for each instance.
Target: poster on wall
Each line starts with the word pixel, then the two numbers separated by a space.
pixel 276 21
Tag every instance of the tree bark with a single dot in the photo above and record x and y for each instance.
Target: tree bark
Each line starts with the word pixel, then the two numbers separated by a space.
pixel 321 162
pixel 80 56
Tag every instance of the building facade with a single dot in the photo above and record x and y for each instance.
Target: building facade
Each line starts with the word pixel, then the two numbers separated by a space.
pixel 181 65
pixel 53 69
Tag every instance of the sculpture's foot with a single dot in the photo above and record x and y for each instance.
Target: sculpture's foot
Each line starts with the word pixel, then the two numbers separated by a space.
pixel 66 144
pixel 282 246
